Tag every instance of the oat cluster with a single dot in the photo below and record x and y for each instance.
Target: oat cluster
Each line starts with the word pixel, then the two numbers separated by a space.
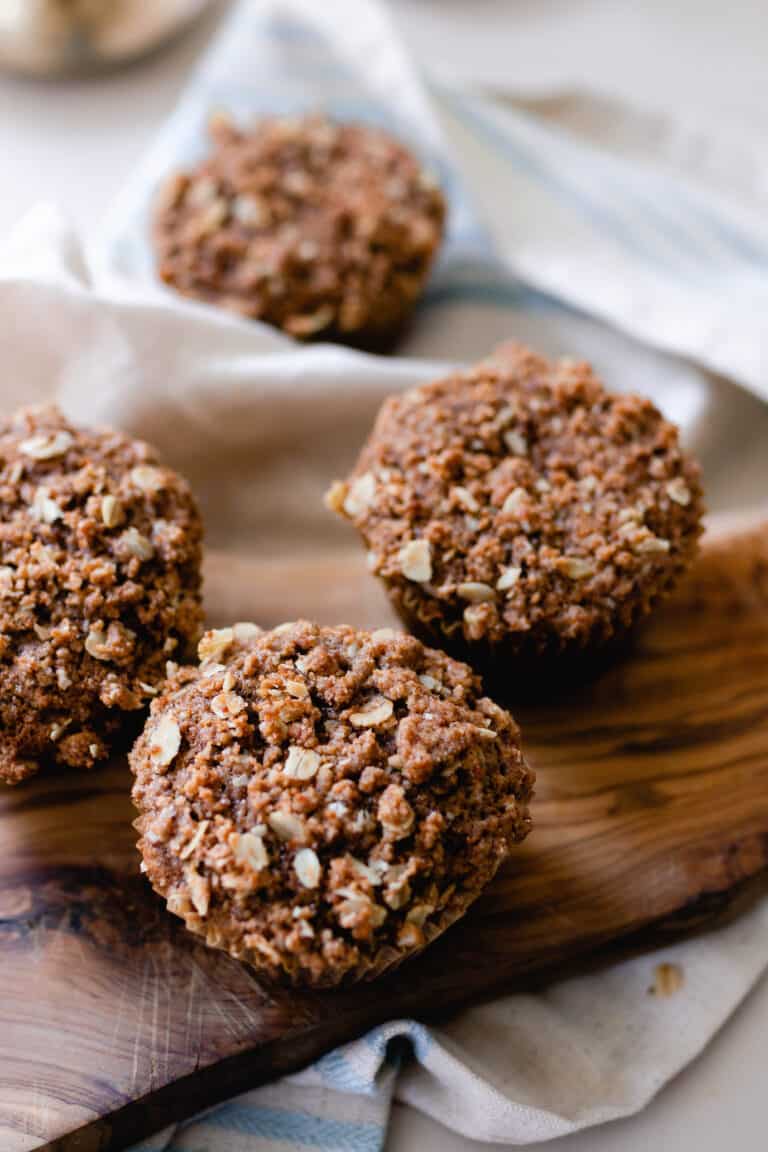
pixel 325 230
pixel 520 508
pixel 322 802
pixel 100 549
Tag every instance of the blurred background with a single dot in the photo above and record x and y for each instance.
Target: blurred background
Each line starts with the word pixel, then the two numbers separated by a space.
pixel 704 60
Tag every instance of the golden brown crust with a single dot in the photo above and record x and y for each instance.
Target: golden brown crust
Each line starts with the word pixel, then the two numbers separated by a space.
pixel 100 549
pixel 519 508
pixel 327 801
pixel 325 230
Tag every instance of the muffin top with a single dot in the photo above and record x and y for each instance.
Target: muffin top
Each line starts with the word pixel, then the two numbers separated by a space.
pixel 321 228
pixel 328 800
pixel 522 499
pixel 99 585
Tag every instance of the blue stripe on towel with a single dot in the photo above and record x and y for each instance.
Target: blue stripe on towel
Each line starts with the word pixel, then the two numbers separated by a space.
pixel 497 294
pixel 602 217
pixel 298 1128
pixel 743 244
pixel 338 1072
pixel 662 245
pixel 283 29
pixel 671 210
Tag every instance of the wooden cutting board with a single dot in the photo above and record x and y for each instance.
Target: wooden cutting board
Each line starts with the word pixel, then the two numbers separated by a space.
pixel 651 810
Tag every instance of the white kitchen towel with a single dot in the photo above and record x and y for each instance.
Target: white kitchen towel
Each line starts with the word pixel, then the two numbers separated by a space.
pixel 674 261
pixel 261 425
pixel 520 1070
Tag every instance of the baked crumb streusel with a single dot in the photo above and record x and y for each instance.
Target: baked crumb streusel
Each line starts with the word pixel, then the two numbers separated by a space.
pixel 100 550
pixel 324 229
pixel 322 802
pixel 519 508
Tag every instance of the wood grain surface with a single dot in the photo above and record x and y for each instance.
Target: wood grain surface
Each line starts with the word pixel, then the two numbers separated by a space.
pixel 651 809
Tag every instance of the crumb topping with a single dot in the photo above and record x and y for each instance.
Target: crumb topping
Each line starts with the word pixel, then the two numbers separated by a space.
pixel 327 800
pixel 521 499
pixel 99 585
pixel 321 228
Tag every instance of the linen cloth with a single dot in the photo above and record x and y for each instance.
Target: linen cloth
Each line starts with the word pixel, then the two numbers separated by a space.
pixel 260 426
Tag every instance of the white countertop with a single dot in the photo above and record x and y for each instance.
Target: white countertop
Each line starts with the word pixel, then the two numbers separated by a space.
pixel 75 143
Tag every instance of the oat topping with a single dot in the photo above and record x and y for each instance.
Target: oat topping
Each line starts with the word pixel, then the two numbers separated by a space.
pixel 147 478
pixel 652 545
pixel 301 763
pixel 376 712
pixel 678 491
pixel 220 643
pixel 415 561
pixel 287 826
pixel 165 740
pixel 322 229
pixel 509 577
pixel 574 567
pixel 85 610
pixel 521 506
pixel 199 890
pixel 45 509
pixel 360 495
pixel 323 835
pixel 307 867
pixel 475 591
pixel 249 849
pixel 46 446
pixel 111 511
pixel 137 545
pixel 516 503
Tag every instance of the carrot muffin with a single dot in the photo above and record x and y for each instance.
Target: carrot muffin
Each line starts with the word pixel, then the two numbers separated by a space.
pixel 99 587
pixel 519 508
pixel 326 230
pixel 323 802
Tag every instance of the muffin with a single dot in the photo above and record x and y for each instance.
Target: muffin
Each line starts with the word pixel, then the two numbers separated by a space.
pixel 100 549
pixel 323 802
pixel 519 510
pixel 323 229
